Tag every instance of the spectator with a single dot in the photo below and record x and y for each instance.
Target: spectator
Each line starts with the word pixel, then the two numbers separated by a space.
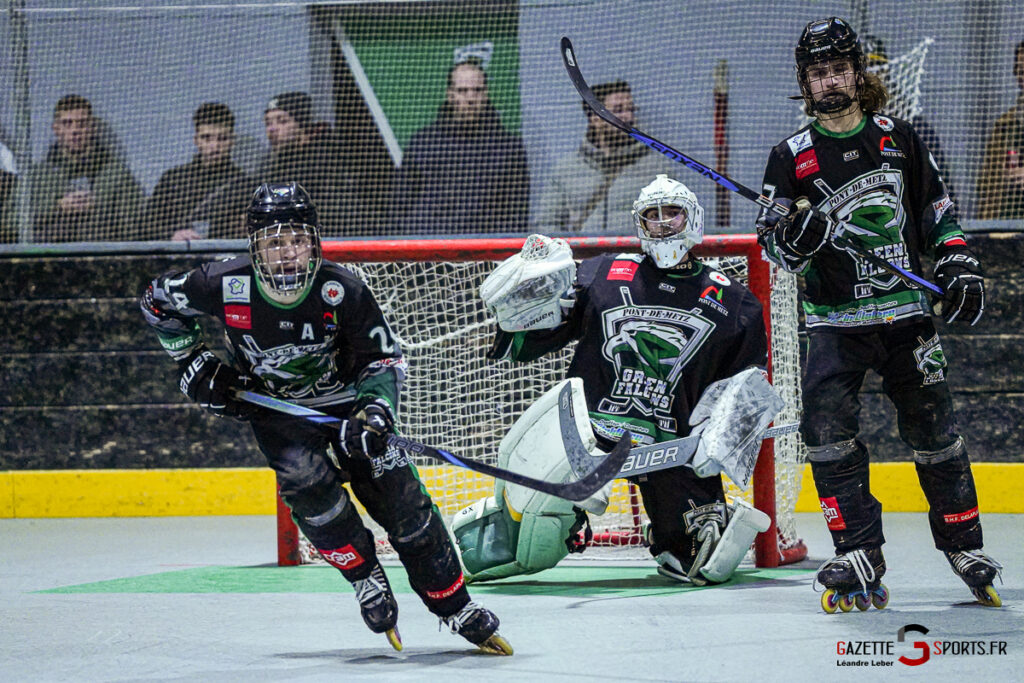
pixel 592 189
pixel 878 64
pixel 463 173
pixel 182 189
pixel 1001 181
pixel 8 175
pixel 306 153
pixel 80 191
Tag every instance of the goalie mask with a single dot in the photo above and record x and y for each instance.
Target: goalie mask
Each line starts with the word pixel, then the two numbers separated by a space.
pixel 669 221
pixel 829 44
pixel 284 240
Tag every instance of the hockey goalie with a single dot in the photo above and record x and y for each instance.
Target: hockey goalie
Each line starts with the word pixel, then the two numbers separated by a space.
pixel 667 347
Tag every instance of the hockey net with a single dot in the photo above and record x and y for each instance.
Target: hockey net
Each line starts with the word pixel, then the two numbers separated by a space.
pixel 456 399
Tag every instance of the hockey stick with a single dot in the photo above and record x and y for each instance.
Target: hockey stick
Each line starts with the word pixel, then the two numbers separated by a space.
pixel 580 489
pixel 677 452
pixel 839 238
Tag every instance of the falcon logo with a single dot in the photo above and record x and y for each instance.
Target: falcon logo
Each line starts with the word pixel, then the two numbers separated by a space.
pixel 931 361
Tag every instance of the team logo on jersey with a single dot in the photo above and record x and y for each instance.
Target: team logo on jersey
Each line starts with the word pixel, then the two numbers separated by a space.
pixel 332 292
pixel 238 316
pixel 293 370
pixel 883 122
pixel 870 208
pixel 235 289
pixel 649 346
pixel 851 155
pixel 712 298
pixel 806 164
pixel 888 148
pixel 931 361
pixel 623 270
pixel 799 142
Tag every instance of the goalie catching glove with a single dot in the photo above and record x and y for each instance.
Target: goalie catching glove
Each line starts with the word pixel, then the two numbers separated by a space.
pixel 528 290
pixel 212 384
pixel 959 274
pixel 803 232
pixel 366 432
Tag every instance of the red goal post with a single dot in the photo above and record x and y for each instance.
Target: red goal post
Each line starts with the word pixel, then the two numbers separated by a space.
pixel 455 399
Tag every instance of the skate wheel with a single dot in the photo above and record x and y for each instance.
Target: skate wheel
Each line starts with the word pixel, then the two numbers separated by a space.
pixel 988 596
pixel 880 597
pixel 496 645
pixel 394 638
pixel 830 601
pixel 847 602
pixel 863 601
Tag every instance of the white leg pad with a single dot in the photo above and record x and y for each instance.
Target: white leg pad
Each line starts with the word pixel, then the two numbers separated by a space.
pixel 744 524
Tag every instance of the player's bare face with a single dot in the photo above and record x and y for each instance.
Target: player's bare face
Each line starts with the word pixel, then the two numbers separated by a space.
pixel 467 93
pixel 74 130
pixel 282 129
pixel 286 250
pixel 213 142
pixel 830 81
pixel 664 221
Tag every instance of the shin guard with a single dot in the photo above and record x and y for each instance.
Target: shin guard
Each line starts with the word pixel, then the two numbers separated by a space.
pixel 947 482
pixel 853 515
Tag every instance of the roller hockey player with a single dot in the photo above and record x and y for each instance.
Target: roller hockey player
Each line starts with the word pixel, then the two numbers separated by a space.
pixel 869 175
pixel 307 330
pixel 656 330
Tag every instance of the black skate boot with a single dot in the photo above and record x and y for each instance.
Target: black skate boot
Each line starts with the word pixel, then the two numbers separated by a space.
pixel 978 571
pixel 479 626
pixel 853 579
pixel 378 605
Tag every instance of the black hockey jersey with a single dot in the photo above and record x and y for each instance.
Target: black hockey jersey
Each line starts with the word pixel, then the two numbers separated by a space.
pixel 881 184
pixel 652 340
pixel 327 348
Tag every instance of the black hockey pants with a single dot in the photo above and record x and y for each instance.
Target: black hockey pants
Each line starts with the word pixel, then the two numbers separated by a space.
pixel 395 499
pixel 912 366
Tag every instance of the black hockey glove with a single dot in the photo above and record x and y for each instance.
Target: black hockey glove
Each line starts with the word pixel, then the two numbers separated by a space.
pixel 803 232
pixel 212 384
pixel 959 274
pixel 365 432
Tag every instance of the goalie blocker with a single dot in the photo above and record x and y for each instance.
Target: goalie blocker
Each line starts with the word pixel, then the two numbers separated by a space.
pixel 519 531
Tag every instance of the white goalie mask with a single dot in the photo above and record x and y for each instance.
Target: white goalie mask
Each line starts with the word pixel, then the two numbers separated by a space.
pixel 669 221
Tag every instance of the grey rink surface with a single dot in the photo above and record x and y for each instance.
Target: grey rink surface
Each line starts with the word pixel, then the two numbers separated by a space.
pixel 771 630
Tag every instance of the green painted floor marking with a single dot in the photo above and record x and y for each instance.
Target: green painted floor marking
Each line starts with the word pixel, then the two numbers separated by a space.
pixel 573 581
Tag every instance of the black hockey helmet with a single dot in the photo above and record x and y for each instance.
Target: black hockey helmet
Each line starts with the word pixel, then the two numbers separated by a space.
pixel 284 239
pixel 825 40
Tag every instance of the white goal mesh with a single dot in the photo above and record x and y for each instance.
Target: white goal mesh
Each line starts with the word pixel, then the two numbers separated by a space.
pixel 456 399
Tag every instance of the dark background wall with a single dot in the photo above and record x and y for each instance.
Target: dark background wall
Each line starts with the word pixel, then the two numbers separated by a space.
pixel 84 383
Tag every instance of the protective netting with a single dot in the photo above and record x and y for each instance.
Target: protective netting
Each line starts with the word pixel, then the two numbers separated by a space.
pixel 354 101
pixel 456 399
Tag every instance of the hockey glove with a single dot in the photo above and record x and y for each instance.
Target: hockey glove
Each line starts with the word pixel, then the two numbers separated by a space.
pixel 212 384
pixel 959 274
pixel 365 432
pixel 803 232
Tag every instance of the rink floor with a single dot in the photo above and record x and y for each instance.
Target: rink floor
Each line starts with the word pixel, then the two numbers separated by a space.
pixel 199 599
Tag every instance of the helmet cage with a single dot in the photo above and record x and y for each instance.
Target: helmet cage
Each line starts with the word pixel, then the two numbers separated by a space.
pixel 286 257
pixel 668 250
pixel 828 40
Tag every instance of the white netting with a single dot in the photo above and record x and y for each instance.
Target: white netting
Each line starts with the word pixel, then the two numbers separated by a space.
pixel 366 82
pixel 456 399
